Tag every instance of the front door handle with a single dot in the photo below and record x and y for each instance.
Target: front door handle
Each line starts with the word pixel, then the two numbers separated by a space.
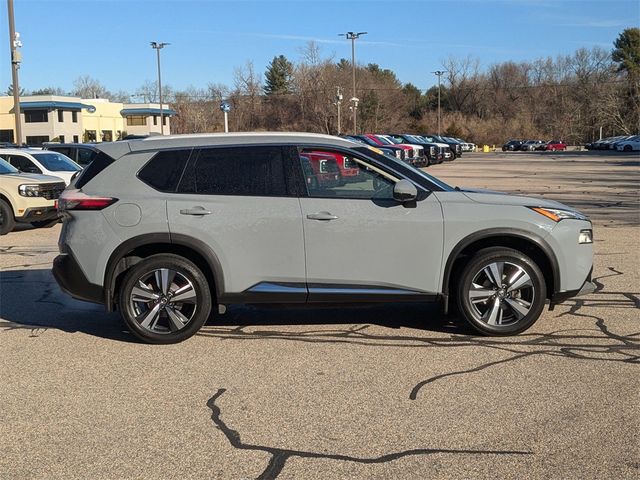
pixel 198 211
pixel 324 216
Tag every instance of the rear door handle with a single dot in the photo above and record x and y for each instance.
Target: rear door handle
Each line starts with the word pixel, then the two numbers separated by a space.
pixel 324 216
pixel 198 211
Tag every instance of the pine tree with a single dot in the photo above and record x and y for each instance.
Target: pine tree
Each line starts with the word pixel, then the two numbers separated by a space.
pixel 278 77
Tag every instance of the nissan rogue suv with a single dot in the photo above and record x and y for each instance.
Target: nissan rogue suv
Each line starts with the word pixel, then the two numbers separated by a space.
pixel 169 229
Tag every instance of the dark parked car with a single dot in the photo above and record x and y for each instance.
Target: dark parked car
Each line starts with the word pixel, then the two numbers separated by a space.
pixel 511 146
pixel 81 153
pixel 454 145
pixel 398 152
pixel 433 153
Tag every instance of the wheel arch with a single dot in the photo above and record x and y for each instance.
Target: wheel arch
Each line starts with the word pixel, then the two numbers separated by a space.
pixel 526 242
pixel 133 250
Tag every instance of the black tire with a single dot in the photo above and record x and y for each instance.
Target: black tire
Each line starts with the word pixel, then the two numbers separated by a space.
pixel 164 330
pixel 512 315
pixel 45 223
pixel 627 148
pixel 7 220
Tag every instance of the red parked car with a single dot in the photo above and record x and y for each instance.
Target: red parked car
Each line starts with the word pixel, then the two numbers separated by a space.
pixel 554 145
pixel 348 168
pixel 320 170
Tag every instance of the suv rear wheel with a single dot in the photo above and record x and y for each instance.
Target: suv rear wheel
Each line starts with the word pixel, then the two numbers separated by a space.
pixel 164 299
pixel 501 291
pixel 7 222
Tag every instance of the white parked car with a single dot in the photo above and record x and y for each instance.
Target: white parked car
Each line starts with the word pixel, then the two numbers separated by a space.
pixel 44 162
pixel 629 145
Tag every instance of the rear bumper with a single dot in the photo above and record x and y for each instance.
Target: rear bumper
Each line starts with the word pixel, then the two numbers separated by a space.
pixel 73 281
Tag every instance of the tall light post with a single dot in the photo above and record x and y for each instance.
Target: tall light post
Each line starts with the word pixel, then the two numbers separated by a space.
pixel 338 104
pixel 439 73
pixel 353 36
pixel 16 58
pixel 159 46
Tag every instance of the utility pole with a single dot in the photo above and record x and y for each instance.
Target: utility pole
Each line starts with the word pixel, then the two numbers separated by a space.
pixel 159 46
pixel 339 103
pixel 353 36
pixel 439 73
pixel 16 58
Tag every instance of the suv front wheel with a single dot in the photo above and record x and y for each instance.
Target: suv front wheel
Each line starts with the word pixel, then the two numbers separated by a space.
pixel 164 299
pixel 501 291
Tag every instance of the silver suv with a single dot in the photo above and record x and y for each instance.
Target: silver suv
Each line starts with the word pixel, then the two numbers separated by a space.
pixel 167 229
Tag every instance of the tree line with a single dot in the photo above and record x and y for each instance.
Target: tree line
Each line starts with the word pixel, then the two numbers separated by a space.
pixel 570 97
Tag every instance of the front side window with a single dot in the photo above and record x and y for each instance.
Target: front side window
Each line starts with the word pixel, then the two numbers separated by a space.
pixel 23 164
pixel 247 171
pixel 327 176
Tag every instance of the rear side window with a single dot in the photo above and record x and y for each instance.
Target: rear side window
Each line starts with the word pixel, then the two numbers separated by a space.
pixel 247 171
pixel 85 156
pixel 99 163
pixel 163 171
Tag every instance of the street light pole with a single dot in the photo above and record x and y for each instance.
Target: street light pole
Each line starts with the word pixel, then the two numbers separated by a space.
pixel 439 73
pixel 339 103
pixel 16 58
pixel 159 46
pixel 353 36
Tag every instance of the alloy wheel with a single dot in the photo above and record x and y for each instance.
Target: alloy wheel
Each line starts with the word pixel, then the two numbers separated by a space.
pixel 501 293
pixel 163 301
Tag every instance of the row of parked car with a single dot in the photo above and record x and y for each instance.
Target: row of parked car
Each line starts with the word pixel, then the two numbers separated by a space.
pixel 534 145
pixel 622 143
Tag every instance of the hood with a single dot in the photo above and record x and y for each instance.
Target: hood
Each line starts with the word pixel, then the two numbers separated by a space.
pixel 34 177
pixel 499 198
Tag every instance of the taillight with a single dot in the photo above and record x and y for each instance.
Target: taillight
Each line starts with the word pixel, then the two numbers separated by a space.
pixel 77 200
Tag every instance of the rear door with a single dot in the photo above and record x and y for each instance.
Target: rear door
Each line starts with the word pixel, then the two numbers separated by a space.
pixel 238 202
pixel 360 242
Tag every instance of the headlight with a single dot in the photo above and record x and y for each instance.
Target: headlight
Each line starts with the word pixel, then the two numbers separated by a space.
pixel 29 190
pixel 557 214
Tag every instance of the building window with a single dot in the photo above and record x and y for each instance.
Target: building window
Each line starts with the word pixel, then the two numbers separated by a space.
pixel 37 140
pixel 74 117
pixel 6 136
pixel 36 116
pixel 136 120
pixel 90 135
pixel 164 120
pixel 75 139
pixel 61 115
pixel 107 136
pixel 61 137
pixel 155 120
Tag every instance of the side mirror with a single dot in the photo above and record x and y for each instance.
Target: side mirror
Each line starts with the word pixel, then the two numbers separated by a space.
pixel 404 191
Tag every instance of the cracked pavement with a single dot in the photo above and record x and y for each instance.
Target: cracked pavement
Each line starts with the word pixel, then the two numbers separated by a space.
pixel 372 392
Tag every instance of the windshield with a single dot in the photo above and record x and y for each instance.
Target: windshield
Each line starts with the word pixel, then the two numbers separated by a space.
pixel 405 166
pixel 384 140
pixel 430 139
pixel 6 167
pixel 415 139
pixel 56 162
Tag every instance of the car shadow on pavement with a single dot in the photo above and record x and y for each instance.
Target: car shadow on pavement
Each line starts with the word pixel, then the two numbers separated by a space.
pixel 31 299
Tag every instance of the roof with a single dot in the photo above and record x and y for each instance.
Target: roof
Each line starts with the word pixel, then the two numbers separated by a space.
pixel 54 105
pixel 122 147
pixel 147 111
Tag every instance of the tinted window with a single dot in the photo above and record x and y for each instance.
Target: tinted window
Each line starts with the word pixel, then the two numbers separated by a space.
pixel 23 164
pixel 6 167
pixel 99 163
pixel 56 162
pixel 85 156
pixel 163 172
pixel 254 171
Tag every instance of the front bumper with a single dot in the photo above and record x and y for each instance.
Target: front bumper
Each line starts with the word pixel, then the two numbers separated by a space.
pixel 73 281
pixel 38 214
pixel 587 287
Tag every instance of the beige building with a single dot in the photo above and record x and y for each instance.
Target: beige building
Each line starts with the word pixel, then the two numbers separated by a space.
pixel 47 118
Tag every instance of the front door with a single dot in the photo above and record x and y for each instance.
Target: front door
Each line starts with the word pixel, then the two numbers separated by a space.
pixel 359 241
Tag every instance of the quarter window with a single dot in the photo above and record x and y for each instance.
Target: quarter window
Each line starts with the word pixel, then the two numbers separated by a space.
pixel 249 171
pixel 163 171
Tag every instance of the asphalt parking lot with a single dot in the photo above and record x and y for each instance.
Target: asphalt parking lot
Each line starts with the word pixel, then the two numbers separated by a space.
pixel 375 392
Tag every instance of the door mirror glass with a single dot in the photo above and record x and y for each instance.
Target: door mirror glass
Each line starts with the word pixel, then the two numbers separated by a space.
pixel 404 191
